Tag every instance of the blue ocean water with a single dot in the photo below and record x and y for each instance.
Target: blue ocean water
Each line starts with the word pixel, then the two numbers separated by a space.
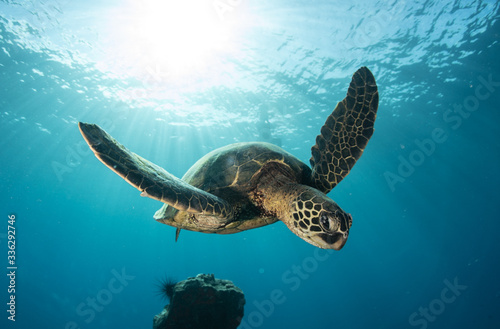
pixel 173 82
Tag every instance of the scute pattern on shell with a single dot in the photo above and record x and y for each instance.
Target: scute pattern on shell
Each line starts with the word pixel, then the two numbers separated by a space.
pixel 235 165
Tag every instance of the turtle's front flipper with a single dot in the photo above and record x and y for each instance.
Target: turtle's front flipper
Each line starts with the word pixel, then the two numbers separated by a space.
pixel 152 180
pixel 346 132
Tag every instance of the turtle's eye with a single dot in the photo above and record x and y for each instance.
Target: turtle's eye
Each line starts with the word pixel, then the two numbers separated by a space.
pixel 328 224
pixel 324 222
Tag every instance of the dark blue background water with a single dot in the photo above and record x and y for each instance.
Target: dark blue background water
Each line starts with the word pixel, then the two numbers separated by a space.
pixel 425 217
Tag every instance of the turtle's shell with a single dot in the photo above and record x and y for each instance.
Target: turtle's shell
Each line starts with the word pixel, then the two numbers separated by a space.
pixel 233 166
pixel 231 173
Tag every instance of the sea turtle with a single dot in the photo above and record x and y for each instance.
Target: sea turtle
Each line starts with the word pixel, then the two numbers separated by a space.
pixel 248 185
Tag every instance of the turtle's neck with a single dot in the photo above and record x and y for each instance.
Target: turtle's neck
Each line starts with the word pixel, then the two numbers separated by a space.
pixel 274 194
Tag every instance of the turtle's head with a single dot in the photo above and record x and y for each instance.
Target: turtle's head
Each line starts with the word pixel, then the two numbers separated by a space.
pixel 318 220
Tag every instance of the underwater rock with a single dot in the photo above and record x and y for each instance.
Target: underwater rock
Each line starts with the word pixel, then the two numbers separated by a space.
pixel 202 302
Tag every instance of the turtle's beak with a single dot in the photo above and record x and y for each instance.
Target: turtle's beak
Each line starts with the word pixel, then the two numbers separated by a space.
pixel 339 240
pixel 330 241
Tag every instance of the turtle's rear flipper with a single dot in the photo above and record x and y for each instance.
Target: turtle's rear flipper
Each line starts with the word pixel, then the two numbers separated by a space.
pixel 345 133
pixel 152 180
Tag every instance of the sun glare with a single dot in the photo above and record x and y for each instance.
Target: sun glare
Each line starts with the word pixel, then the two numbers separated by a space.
pixel 177 36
